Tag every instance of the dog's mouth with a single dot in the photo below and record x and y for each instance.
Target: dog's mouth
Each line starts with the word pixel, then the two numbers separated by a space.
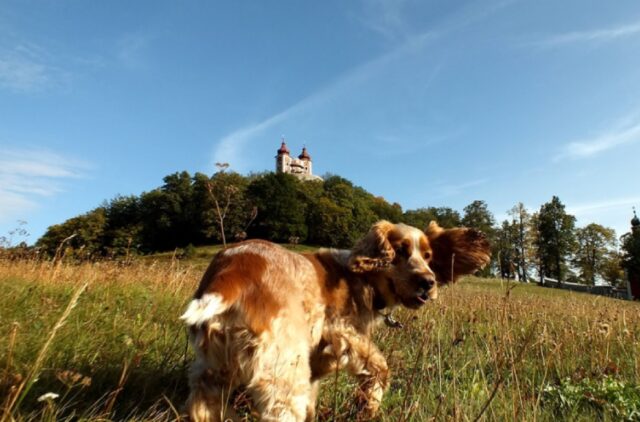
pixel 420 299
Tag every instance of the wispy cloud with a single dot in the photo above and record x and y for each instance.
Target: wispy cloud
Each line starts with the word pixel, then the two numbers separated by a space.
pixel 131 49
pixel 403 145
pixel 230 147
pixel 25 67
pixel 458 188
pixel 29 174
pixel 591 36
pixel 613 212
pixel 386 18
pixel 600 206
pixel 624 131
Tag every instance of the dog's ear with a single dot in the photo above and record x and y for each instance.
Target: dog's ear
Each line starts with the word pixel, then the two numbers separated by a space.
pixel 373 252
pixel 457 251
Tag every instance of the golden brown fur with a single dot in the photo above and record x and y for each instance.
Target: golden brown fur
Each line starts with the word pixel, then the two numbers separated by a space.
pixel 276 322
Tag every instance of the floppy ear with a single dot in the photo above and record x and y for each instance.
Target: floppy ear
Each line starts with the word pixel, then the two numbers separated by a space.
pixel 457 252
pixel 373 252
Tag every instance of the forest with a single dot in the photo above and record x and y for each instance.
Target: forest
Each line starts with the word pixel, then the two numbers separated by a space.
pixel 188 211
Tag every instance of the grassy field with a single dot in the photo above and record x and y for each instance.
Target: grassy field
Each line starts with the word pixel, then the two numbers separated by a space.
pixel 486 349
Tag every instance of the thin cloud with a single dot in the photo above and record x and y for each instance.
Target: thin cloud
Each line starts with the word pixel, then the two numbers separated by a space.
pixel 26 67
pixel 386 18
pixel 230 147
pixel 592 36
pixel 456 189
pixel 27 175
pixel 601 206
pixel 614 213
pixel 626 131
pixel 22 73
pixel 130 49
pixel 401 145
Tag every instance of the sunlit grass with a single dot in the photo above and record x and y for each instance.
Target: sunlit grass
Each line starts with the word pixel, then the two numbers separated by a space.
pixel 486 348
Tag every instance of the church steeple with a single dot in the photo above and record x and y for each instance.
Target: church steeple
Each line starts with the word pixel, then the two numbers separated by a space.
pixel 304 155
pixel 283 148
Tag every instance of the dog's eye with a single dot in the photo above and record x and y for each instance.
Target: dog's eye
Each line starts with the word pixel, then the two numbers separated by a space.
pixel 402 250
pixel 427 255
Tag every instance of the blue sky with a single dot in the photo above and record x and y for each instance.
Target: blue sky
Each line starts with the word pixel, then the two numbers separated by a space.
pixel 427 103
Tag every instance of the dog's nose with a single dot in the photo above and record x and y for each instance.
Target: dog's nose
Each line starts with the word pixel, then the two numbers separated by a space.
pixel 427 282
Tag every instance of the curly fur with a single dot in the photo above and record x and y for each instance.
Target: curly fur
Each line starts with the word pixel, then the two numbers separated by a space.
pixel 374 251
pixel 461 249
pixel 276 322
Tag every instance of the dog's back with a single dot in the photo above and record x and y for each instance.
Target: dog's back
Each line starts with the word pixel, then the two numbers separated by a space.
pixel 252 322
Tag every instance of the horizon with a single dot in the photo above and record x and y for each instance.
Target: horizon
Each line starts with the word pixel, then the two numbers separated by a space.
pixel 424 104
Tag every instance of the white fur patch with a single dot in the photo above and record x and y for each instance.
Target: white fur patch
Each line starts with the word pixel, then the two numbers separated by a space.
pixel 202 310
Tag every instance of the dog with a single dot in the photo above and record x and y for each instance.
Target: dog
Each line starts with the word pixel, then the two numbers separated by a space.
pixel 276 322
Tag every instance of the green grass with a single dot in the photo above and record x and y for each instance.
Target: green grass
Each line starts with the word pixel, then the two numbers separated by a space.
pixel 200 256
pixel 523 351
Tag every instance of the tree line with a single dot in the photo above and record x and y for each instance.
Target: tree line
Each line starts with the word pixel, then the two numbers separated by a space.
pixel 199 210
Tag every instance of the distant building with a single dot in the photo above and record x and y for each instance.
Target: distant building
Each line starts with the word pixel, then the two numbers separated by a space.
pixel 300 167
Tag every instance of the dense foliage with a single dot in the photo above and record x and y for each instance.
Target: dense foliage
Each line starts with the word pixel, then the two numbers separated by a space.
pixel 199 210
pixel 631 251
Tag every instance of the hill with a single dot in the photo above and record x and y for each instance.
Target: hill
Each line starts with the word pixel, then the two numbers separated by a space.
pixel 202 210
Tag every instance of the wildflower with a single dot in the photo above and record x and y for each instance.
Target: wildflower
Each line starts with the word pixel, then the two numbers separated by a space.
pixel 48 396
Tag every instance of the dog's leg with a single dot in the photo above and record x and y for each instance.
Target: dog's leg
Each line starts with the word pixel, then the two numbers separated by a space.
pixel 313 398
pixel 207 400
pixel 209 382
pixel 280 385
pixel 369 365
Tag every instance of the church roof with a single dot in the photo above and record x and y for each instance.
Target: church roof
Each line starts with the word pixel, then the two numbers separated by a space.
pixel 635 221
pixel 283 149
pixel 304 155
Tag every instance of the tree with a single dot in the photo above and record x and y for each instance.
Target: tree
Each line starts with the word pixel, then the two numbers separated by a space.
pixel 386 211
pixel 521 239
pixel 329 224
pixel 594 244
pixel 123 225
pixel 226 194
pixel 477 216
pixel 169 214
pixel 631 250
pixel 612 271
pixel 84 233
pixel 445 217
pixel 555 239
pixel 281 207
pixel 505 250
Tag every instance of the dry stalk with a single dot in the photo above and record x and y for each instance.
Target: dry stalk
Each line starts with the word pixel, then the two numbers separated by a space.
pixel 111 401
pixel 12 343
pixel 419 357
pixel 27 383
pixel 59 255
pixel 502 376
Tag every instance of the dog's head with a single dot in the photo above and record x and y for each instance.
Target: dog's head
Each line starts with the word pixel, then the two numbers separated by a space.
pixel 412 263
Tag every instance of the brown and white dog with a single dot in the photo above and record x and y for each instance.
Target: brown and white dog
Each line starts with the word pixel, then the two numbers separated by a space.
pixel 275 321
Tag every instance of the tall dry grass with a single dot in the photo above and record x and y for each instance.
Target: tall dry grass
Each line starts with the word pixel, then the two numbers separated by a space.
pixel 486 350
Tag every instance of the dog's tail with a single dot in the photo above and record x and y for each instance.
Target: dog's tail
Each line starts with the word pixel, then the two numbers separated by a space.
pixel 220 288
pixel 204 309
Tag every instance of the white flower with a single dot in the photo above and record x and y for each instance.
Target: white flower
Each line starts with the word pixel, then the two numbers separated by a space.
pixel 48 396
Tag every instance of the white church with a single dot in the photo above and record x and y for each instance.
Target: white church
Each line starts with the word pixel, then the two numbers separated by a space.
pixel 300 167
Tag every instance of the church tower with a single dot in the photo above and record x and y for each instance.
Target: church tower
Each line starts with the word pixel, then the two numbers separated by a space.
pixel 305 160
pixel 283 159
